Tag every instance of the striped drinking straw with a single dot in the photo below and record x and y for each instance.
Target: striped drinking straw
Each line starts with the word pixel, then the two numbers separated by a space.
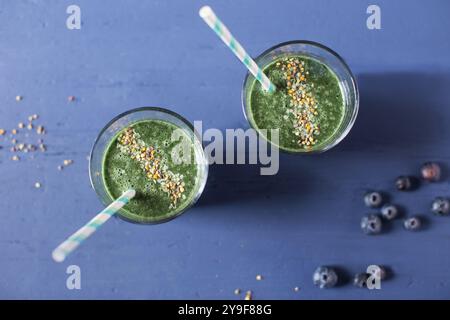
pixel 65 248
pixel 222 31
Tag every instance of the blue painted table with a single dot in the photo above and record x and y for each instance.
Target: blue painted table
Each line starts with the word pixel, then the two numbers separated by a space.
pixel 136 53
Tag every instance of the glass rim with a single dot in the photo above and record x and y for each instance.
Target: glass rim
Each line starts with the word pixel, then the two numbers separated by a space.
pixel 347 69
pixel 171 113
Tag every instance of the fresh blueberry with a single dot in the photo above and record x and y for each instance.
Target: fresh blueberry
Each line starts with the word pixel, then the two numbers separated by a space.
pixel 389 211
pixel 441 206
pixel 360 280
pixel 412 224
pixel 325 277
pixel 379 271
pixel 371 224
pixel 405 183
pixel 373 199
pixel 431 171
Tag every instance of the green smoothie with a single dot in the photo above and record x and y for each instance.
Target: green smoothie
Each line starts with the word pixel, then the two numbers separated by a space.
pixel 307 107
pixel 140 157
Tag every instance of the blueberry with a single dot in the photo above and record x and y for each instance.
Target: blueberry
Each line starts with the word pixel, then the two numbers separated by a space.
pixel 406 183
pixel 389 211
pixel 373 199
pixel 440 206
pixel 412 224
pixel 371 224
pixel 325 277
pixel 431 171
pixel 360 280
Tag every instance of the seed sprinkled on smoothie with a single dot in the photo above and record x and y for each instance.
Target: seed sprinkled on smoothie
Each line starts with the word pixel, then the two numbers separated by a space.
pixel 307 108
pixel 303 106
pixel 153 164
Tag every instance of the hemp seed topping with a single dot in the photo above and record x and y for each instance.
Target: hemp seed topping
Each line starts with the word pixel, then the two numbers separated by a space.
pixel 303 109
pixel 153 164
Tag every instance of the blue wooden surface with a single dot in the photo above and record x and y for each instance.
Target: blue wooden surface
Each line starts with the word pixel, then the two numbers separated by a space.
pixel 135 53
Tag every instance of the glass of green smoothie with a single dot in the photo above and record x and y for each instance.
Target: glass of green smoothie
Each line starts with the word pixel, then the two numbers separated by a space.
pixel 155 152
pixel 316 99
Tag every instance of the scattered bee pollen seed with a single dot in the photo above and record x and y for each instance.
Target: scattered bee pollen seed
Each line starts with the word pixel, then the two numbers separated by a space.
pixel 2 132
pixel 30 126
pixel 19 98
pixel 40 130
pixel 15 158
pixel 71 98
pixel 259 277
pixel 248 295
pixel 296 289
pixel 60 168
pixel 21 125
pixel 68 162
pixel 14 131
pixel 37 185
pixel 237 291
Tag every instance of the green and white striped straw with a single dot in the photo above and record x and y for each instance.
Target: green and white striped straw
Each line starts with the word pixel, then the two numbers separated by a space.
pixel 222 31
pixel 65 248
